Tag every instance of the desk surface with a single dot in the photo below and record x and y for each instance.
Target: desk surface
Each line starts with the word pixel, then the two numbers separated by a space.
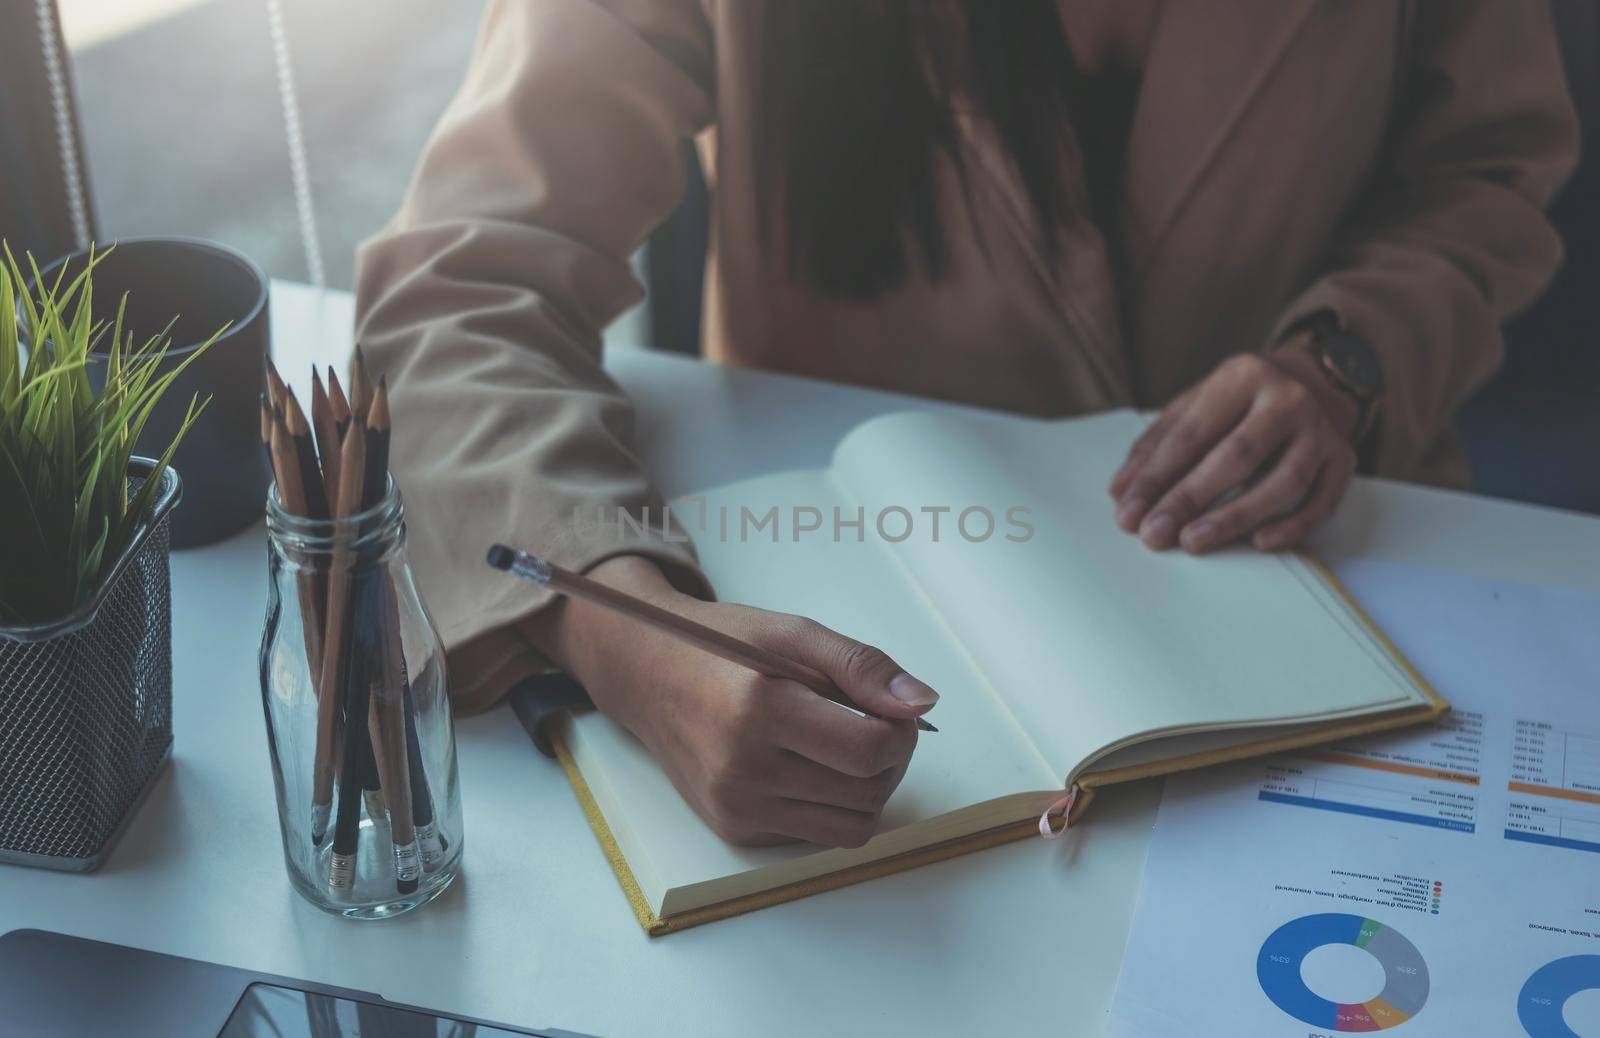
pixel 1023 939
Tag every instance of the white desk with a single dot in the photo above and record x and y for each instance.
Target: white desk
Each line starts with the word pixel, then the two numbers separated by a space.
pixel 1024 939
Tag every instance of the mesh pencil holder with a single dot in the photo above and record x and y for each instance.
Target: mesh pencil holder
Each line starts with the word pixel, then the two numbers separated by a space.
pixel 86 707
pixel 358 715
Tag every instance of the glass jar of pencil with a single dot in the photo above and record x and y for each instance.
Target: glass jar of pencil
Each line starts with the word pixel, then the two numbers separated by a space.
pixel 357 709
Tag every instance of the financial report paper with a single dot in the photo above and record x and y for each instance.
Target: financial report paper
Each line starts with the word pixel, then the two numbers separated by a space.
pixel 1441 881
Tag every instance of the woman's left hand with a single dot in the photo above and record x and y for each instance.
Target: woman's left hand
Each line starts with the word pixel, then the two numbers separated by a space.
pixel 1259 449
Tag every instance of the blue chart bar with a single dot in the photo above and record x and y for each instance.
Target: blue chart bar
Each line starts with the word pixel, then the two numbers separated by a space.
pixel 1552 841
pixel 1547 990
pixel 1371 812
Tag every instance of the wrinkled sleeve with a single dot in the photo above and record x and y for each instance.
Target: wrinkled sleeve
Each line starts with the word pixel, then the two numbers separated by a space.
pixel 483 302
pixel 1451 237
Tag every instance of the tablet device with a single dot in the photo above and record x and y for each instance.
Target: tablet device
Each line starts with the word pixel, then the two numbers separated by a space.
pixel 52 984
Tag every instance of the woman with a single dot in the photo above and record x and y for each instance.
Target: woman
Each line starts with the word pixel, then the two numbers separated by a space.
pixel 1292 226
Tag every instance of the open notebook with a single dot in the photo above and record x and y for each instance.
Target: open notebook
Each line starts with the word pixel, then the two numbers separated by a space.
pixel 1069 656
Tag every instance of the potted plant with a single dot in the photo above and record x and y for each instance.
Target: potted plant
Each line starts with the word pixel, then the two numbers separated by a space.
pixel 85 612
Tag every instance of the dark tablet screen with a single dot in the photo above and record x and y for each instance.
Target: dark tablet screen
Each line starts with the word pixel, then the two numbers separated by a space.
pixel 270 1011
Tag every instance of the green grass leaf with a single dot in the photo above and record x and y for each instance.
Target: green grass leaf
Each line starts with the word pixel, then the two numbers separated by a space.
pixel 66 514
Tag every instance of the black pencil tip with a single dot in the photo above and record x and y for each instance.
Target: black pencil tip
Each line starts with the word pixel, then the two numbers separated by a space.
pixel 501 557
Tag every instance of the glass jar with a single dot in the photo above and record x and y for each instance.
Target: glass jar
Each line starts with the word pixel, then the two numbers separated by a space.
pixel 370 811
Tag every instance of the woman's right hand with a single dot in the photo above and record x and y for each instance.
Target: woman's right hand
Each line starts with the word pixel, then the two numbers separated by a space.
pixel 763 760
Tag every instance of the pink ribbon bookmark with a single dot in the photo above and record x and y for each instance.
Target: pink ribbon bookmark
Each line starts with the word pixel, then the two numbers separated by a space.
pixel 1062 807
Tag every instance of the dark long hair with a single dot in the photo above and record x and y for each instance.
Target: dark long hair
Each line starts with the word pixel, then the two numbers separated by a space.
pixel 856 116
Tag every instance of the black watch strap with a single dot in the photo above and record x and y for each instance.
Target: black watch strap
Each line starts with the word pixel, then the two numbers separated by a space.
pixel 1349 363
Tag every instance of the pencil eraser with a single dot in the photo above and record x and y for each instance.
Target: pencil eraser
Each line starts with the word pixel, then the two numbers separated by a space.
pixel 501 557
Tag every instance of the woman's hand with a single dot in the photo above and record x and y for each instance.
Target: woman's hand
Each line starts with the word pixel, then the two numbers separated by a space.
pixel 1259 449
pixel 762 760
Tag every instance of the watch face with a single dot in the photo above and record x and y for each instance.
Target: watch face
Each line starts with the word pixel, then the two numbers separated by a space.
pixel 1356 363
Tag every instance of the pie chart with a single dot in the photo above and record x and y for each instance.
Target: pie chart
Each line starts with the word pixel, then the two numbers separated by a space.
pixel 1546 991
pixel 1405 987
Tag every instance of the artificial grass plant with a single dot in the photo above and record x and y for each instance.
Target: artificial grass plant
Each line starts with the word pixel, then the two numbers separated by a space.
pixel 67 511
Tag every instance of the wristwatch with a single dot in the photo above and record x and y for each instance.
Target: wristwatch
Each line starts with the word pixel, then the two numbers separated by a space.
pixel 1348 362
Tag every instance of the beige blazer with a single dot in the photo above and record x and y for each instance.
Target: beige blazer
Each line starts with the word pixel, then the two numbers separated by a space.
pixel 1387 160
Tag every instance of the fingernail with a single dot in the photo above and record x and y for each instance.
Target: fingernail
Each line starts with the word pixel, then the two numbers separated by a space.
pixel 911 692
pixel 1157 530
pixel 1130 511
pixel 1197 536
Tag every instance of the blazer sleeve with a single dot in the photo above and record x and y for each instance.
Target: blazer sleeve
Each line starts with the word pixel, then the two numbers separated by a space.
pixel 1450 238
pixel 483 301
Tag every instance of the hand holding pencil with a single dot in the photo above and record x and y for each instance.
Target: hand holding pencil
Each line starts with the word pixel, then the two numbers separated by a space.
pixel 732 701
pixel 763 661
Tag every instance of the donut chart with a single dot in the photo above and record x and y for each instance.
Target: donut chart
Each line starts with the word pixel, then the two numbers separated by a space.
pixel 1405 987
pixel 1546 991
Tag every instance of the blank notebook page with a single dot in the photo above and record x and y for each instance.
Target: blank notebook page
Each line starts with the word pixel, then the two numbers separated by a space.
pixel 1086 634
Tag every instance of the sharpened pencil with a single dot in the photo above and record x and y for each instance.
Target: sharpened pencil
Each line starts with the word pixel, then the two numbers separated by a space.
pixel 286 466
pixel 313 487
pixel 345 662
pixel 335 669
pixel 276 389
pixel 547 574
pixel 338 405
pixel 326 431
pixel 290 476
pixel 361 387
pixel 380 627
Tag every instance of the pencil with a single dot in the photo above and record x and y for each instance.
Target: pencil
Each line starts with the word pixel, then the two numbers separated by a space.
pixel 361 388
pixel 338 406
pixel 548 574
pixel 285 465
pixel 312 484
pixel 381 623
pixel 326 431
pixel 346 665
pixel 290 477
pixel 310 502
pixel 377 423
pixel 372 780
pixel 276 390
pixel 335 664
pixel 430 841
pixel 347 824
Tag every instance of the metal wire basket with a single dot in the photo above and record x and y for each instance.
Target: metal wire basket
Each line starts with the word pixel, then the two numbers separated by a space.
pixel 86 708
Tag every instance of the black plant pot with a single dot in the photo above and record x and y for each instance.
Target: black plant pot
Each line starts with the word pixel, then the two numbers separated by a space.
pixel 205 285
pixel 86 708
